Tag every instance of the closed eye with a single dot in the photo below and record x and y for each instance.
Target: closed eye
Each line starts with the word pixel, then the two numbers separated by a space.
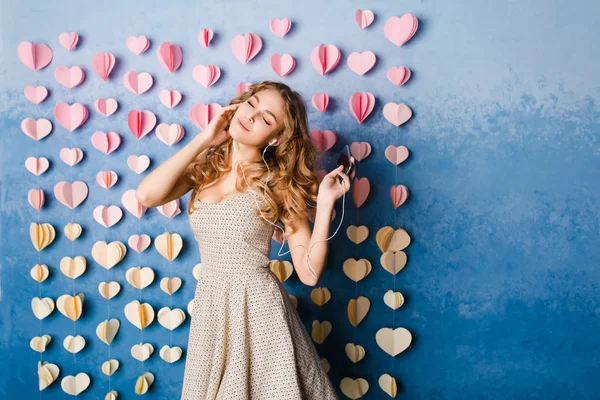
pixel 248 101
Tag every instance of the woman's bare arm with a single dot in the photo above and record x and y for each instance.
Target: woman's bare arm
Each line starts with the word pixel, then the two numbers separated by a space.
pixel 169 180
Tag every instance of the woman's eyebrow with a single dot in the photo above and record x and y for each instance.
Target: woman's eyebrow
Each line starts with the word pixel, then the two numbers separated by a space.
pixel 258 101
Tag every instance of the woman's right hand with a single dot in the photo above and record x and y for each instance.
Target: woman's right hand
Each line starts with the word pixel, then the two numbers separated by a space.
pixel 215 132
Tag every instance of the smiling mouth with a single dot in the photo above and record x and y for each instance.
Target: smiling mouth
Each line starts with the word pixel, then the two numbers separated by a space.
pixel 242 125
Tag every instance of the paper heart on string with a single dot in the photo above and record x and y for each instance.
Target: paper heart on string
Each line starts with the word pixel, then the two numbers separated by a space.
pixel 72 231
pixel 354 389
pixel 355 352
pixel 42 307
pixel 71 194
pixel 106 142
pixel 320 296
pixel 361 104
pixel 242 88
pixel 283 269
pixel 103 63
pixel 142 351
pixel 47 374
pixel 360 150
pixel 170 209
pixel 169 134
pixel 390 239
pixel 36 129
pixel 108 290
pixel 72 116
pixel 137 45
pixel 73 267
pixel 323 140
pixel 168 245
pixel 360 191
pixel 357 234
pixel 68 40
pixel 110 367
pixel 396 155
pixel 358 309
pixel 39 272
pixel 393 262
pixel 170 319
pixel 107 216
pixel 325 58
pixel 170 56
pixel 34 56
pixel 35 197
pixel 107 330
pixel 205 36
pixel 106 107
pixel 320 101
pixel 170 354
pixel 138 164
pixel 132 204
pixel 35 94
pixel 140 315
pixel 139 277
pixel 107 179
pixel 201 114
pixel 398 194
pixel 39 343
pixel 170 98
pixel 400 30
pixel 41 235
pixel 320 331
pixel 37 165
pixel 398 75
pixel 361 63
pixel 141 122
pixel 397 114
pixel 74 385
pixel 356 270
pixel 138 83
pixel 70 306
pixel 143 383
pixel 393 300
pixel 170 285
pixel 282 64
pixel 69 77
pixel 206 75
pixel 280 27
pixel 388 384
pixel 71 156
pixel 364 18
pixel 139 243
pixel 246 47
pixel 196 271
pixel 108 254
pixel 394 341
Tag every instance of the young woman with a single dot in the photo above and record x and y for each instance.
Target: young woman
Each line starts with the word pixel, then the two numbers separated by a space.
pixel 251 167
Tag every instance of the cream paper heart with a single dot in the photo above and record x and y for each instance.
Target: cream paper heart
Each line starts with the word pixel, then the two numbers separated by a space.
pixel 354 389
pixel 72 231
pixel 74 344
pixel 355 352
pixel 356 269
pixel 42 307
pixel 388 384
pixel 320 296
pixel 142 352
pixel 190 307
pixel 283 269
pixel 393 300
pixel 47 374
pixel 112 395
pixel 357 234
pixel 168 245
pixel 73 267
pixel 108 290
pixel 170 354
pixel 39 343
pixel 108 254
pixel 393 262
pixel 144 382
pixel 170 285
pixel 170 319
pixel 140 315
pixel 139 277
pixel 358 309
pixel 394 341
pixel 390 239
pixel 41 235
pixel 39 272
pixel 107 330
pixel 109 367
pixel 196 271
pixel 70 306
pixel 320 331
pixel 74 385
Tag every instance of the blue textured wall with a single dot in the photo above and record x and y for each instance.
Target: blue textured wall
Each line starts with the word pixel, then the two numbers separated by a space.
pixel 502 281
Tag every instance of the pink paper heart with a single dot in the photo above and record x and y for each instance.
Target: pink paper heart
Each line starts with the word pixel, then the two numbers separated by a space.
pixel 34 56
pixel 37 165
pixel 169 134
pixel 139 243
pixel 170 98
pixel 106 142
pixel 205 36
pixel 361 63
pixel 138 164
pixel 106 107
pixel 201 114
pixel 36 129
pixel 325 58
pixel 280 27
pixel 141 122
pixel 398 75
pixel 69 77
pixel 36 198
pixel 131 204
pixel 397 114
pixel 71 156
pixel 36 94
pixel 107 216
pixel 103 63
pixel 360 150
pixel 138 83
pixel 242 87
pixel 68 40
pixel 360 191
pixel 170 56
pixel 323 140
pixel 246 47
pixel 361 104
pixel 364 18
pixel 320 101
pixel 137 45
pixel 398 194
pixel 107 179
pixel 72 116
pixel 71 194
pixel 282 64
pixel 396 155
pixel 400 30
pixel 206 75
pixel 170 209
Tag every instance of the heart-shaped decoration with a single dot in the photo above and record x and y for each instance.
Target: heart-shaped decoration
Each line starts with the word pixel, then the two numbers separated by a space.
pixel 169 134
pixel 141 122
pixel 364 18
pixel 168 245
pixel 68 40
pixel 110 367
pixel 69 77
pixel 246 47
pixel 74 344
pixel 354 388
pixel 206 75
pixel 393 262
pixel 360 191
pixel 205 36
pixel 361 63
pixel 39 343
pixel 357 234
pixel 73 267
pixel 42 307
pixel 139 277
pixel 397 114
pixel 280 27
pixel 108 254
pixel 143 383
pixel 103 63
pixel 139 243
pixel 107 179
pixel 34 56
pixel 360 150
pixel 282 64
pixel 138 83
pixel 142 352
pixel 389 239
pixel 361 105
pixel 320 296
pixel 170 285
pixel 41 235
pixel 37 165
pixel 399 195
pixel 39 272
pixel 323 140
pixel 71 194
pixel 107 330
pixel 47 374
pixel 320 101
pixel 108 290
pixel 320 331
pixel 283 269
pixel 74 385
pixel 170 354
pixel 171 319
pixel 196 271
pixel 242 87
pixel 35 197
pixel 106 107
pixel 72 231
pixel 201 114
pixel 398 75
pixel 325 58
pixel 170 209
pixel 137 45
pixel 170 56
pixel 393 300
pixel 35 94
pixel 138 164
pixel 140 315
pixel 388 384
pixel 358 309
pixel 400 30
pixel 36 128
pixel 355 352
pixel 106 142
pixel 71 156
pixel 70 306
pixel 396 155
pixel 107 216
pixel 71 116
pixel 393 341
pixel 355 269
pixel 169 98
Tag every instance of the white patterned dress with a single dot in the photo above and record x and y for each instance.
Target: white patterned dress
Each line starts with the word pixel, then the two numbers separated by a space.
pixel 246 338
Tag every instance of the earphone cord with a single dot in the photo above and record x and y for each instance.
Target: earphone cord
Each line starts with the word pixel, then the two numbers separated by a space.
pixel 282 230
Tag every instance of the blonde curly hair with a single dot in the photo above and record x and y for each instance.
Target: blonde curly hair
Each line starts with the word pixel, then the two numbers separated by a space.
pixel 293 184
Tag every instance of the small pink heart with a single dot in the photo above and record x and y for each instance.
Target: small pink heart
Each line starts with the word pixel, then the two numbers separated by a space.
pixel 34 56
pixel 107 216
pixel 138 83
pixel 400 30
pixel 37 166
pixel 107 179
pixel 206 75
pixel 71 194
pixel 282 65
pixel 242 87
pixel 323 140
pixel 398 194
pixel 131 204
pixel 320 101
pixel 69 77
pixel 205 36
pixel 360 191
pixel 106 142
pixel 137 45
pixel 71 156
pixel 396 155
pixel 246 47
pixel 360 150
pixel 141 122
pixel 201 114
pixel 36 94
pixel 361 63
pixel 36 198
pixel 364 18
pixel 280 27
pixel 106 107
pixel 138 164
pixel 139 243
pixel 72 116
pixel 361 104
pixel 397 114
pixel 170 98
pixel 103 63
pixel 170 209
pixel 169 134
pixel 325 58
pixel 398 75
pixel 170 56
pixel 36 129
pixel 68 40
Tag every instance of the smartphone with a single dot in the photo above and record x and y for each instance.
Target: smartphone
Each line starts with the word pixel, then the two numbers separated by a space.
pixel 344 158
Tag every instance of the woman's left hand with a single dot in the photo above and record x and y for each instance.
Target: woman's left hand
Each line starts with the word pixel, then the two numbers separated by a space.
pixel 331 189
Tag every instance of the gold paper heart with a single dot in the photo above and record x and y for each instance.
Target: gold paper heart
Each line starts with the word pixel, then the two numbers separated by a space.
pixel 393 262
pixel 282 269
pixel 357 234
pixel 354 389
pixel 392 240
pixel 320 296
pixel 320 331
pixel 355 269
pixel 358 309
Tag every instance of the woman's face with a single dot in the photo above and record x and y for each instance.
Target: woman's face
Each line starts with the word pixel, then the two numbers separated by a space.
pixel 259 119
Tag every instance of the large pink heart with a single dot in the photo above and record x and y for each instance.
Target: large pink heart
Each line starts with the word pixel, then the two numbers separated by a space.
pixel 282 65
pixel 400 30
pixel 69 77
pixel 138 83
pixel 361 63
pixel 360 191
pixel 103 63
pixel 323 140
pixel 36 129
pixel 170 56
pixel 71 194
pixel 397 114
pixel 325 58
pixel 131 204
pixel 36 94
pixel 35 56
pixel 107 216
pixel 138 45
pixel 201 114
pixel 141 122
pixel 361 104
pixel 106 107
pixel 246 47
pixel 72 116
pixel 206 75
pixel 106 142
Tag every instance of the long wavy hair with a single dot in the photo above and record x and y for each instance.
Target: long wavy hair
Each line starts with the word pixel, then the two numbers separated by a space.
pixel 293 184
